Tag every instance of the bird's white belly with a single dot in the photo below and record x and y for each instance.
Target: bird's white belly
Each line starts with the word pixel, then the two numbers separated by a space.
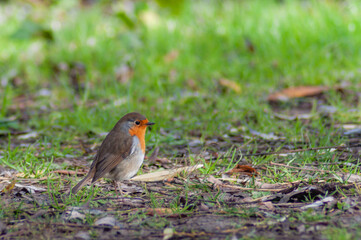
pixel 129 166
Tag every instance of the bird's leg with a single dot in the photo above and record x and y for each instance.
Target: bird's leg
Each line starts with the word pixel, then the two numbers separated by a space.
pixel 120 189
pixel 117 188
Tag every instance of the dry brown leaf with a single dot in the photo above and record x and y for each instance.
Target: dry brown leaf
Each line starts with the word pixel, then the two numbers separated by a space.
pixel 249 45
pixel 262 185
pixel 248 170
pixel 124 73
pixel 191 84
pixel 8 188
pixel 296 92
pixel 171 56
pixel 214 180
pixel 351 178
pixel 269 205
pixel 21 102
pixel 159 211
pixel 164 174
pixel 69 172
pixel 230 84
pixel 163 160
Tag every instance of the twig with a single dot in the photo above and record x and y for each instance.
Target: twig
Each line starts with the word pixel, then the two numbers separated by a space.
pixel 69 172
pixel 86 226
pixel 255 189
pixel 28 179
pixel 117 198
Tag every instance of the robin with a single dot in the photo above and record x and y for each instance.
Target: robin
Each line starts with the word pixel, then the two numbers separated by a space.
pixel 121 153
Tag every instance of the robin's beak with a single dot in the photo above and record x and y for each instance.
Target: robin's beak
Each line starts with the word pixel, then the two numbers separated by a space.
pixel 149 123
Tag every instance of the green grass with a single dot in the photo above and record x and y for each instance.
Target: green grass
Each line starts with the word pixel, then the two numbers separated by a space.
pixel 176 60
pixel 289 50
pixel 295 44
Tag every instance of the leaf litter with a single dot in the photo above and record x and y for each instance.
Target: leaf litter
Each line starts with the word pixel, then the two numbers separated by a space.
pixel 175 198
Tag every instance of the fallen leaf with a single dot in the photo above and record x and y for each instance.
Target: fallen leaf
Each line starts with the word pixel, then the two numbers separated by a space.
pixel 73 214
pixel 299 195
pixel 324 109
pixel 195 142
pixel 159 211
pixel 249 45
pixel 131 188
pixel 191 84
pixel 171 56
pixel 353 132
pixel 21 103
pixel 124 73
pixel 164 174
pixel 262 185
pixel 248 170
pixel 269 205
pixel 31 189
pixel 266 136
pixel 8 188
pixel 252 189
pixel 230 84
pixel 28 135
pixel 106 221
pixel 293 117
pixel 44 92
pixel 296 92
pixel 69 172
pixel 82 235
pixel 214 180
pixel 163 160
pixel 350 178
pixel 168 233
pixel 319 203
pixel 348 126
pixel 231 179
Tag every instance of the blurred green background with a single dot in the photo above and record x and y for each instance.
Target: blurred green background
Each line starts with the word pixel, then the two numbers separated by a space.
pixel 70 68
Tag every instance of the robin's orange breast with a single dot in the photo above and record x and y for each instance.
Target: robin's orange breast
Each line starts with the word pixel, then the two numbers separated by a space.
pixel 139 131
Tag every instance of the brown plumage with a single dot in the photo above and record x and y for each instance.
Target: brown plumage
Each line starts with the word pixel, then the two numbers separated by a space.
pixel 122 151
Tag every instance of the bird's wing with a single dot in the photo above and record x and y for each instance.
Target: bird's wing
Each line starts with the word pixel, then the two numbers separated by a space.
pixel 112 151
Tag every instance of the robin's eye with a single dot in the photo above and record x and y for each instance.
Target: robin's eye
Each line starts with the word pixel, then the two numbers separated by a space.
pixel 137 122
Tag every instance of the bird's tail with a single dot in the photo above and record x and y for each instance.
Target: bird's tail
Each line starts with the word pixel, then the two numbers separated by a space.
pixel 83 181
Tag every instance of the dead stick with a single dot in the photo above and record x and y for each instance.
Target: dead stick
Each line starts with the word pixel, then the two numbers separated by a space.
pixel 28 179
pixel 255 189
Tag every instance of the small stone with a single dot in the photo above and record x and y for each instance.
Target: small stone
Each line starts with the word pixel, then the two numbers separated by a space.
pixel 82 235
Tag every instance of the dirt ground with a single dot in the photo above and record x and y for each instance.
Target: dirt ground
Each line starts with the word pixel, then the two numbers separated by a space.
pixel 241 203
